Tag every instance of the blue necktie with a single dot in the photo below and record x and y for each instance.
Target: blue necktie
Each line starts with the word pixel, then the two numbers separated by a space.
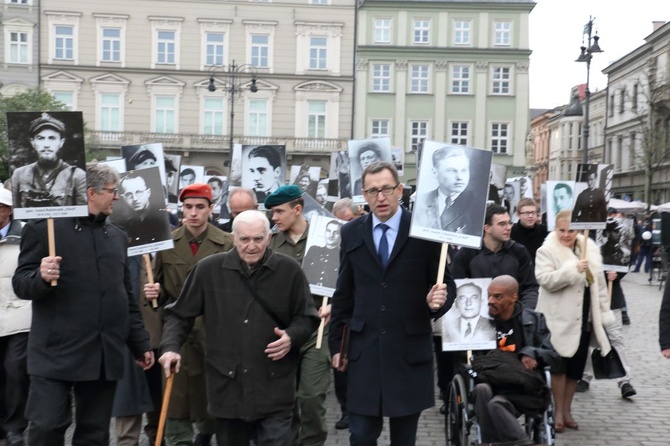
pixel 383 245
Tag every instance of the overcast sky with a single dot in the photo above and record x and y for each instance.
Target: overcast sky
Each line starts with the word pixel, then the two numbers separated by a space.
pixel 556 28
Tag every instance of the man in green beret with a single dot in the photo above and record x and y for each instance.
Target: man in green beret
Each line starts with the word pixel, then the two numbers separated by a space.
pixel 309 419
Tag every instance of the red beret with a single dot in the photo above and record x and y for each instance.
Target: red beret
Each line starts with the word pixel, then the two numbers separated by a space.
pixel 196 190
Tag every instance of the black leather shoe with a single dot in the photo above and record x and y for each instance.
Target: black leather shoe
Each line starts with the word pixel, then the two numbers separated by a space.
pixel 202 440
pixel 582 386
pixel 627 391
pixel 342 423
pixel 14 439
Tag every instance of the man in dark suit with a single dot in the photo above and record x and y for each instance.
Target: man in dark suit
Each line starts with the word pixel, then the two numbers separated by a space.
pixel 147 222
pixel 449 207
pixel 385 291
pixel 470 327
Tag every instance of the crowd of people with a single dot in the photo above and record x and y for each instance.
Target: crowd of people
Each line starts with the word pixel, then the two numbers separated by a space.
pixel 228 311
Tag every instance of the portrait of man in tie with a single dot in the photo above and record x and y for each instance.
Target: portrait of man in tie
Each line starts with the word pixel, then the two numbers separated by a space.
pixel 468 327
pixel 454 204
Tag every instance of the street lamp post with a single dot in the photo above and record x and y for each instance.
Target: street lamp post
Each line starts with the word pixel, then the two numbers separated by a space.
pixel 234 73
pixel 586 55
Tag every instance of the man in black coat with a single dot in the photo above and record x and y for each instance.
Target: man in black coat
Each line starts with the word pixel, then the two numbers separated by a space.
pixel 528 230
pixel 385 295
pixel 84 315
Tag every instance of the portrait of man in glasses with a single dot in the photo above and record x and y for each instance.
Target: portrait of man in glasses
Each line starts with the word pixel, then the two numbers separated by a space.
pixel 143 207
pixel 454 204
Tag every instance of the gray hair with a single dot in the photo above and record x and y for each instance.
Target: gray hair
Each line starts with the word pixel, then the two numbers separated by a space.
pixel 244 191
pixel 344 204
pixel 99 175
pixel 251 217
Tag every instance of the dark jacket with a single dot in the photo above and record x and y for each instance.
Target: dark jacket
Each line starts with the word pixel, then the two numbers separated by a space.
pixel 618 298
pixel 80 327
pixel 242 382
pixel 512 259
pixel 536 338
pixel 531 238
pixel 390 351
pixel 664 319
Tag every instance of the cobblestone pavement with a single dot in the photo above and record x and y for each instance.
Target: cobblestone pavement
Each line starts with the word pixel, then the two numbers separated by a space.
pixel 603 416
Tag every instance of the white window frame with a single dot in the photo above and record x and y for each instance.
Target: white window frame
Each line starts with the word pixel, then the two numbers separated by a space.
pixel 320 51
pixel 460 84
pixel 261 28
pixel 500 137
pixel 319 2
pixel 462 32
pixel 69 104
pixel 166 47
pixel 325 91
pixel 166 24
pixel 419 131
pixel 501 80
pixel 157 127
pixel 214 26
pixel 20 2
pixel 456 129
pixel 102 107
pixel 55 19
pixel 214 116
pixel 380 128
pixel 421 31
pixel 66 82
pixel 21 47
pixel 20 27
pixel 107 21
pixel 64 44
pixel 502 33
pixel 381 33
pixel 112 41
pixel 215 51
pixel 419 79
pixel 109 84
pixel 320 127
pixel 260 58
pixel 381 82
pixel 257 131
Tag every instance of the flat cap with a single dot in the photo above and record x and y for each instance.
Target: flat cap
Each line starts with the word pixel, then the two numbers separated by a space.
pixel 46 121
pixel 282 195
pixel 141 156
pixel 196 190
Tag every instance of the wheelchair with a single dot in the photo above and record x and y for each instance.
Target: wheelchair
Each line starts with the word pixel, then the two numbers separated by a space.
pixel 461 426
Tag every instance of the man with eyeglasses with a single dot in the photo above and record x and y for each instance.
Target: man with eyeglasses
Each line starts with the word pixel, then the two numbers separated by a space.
pixel 386 297
pixel 528 230
pixel 146 222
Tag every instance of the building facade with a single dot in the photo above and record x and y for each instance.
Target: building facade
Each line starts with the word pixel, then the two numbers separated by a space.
pixel 147 71
pixel 19 51
pixel 446 71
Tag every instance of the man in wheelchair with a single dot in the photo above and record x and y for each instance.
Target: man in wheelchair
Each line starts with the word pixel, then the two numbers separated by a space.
pixel 510 381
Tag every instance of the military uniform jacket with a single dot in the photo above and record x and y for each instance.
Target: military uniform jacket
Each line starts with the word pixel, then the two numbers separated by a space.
pixel 66 186
pixel 171 269
pixel 81 326
pixel 242 382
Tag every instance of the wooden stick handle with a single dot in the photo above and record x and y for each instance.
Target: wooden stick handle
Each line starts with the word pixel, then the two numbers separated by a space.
pixel 586 239
pixel 322 326
pixel 150 276
pixel 610 288
pixel 441 267
pixel 51 236
pixel 164 409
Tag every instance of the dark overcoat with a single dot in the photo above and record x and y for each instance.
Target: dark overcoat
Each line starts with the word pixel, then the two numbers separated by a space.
pixel 81 326
pixel 390 370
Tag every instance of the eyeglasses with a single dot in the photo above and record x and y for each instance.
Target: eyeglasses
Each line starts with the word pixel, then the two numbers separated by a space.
pixel 111 190
pixel 137 194
pixel 528 213
pixel 386 190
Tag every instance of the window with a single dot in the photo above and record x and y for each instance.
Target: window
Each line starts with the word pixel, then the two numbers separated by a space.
pixel 165 114
pixel 65 97
pixel 317 53
pixel 499 137
pixel 260 44
pixel 318 2
pixel 379 128
pixel 316 119
pixel 622 100
pixel 459 133
pixel 419 79
pixel 213 116
pixel 418 131
pixel 634 98
pixel 501 80
pixel 381 78
pixel 165 49
pixel 18 47
pixel 214 50
pixel 257 121
pixel 110 112
pixel 111 45
pixel 460 79
pixel 64 42
pixel 18 2
pixel 502 33
pixel 462 32
pixel 382 31
pixel 611 105
pixel 422 31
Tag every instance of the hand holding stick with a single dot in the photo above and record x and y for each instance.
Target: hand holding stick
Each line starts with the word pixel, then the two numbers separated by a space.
pixel 150 276
pixel 322 325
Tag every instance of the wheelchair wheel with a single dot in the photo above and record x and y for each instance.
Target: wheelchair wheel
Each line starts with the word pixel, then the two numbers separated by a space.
pixel 457 413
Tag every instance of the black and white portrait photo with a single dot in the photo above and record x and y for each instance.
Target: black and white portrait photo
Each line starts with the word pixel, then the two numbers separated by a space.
pixel 497 182
pixel 143 156
pixel 263 169
pixel 322 258
pixel 312 208
pixel 47 164
pixel 219 185
pixel 467 325
pixel 189 175
pixel 616 242
pixel 306 178
pixel 362 153
pixel 172 168
pixel 589 210
pixel 141 211
pixel 559 198
pixel 341 170
pixel 398 159
pixel 451 194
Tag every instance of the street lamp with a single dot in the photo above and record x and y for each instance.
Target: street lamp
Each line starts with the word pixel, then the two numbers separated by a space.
pixel 586 55
pixel 234 88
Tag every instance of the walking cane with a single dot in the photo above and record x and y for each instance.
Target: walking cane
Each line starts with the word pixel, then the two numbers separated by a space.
pixel 164 409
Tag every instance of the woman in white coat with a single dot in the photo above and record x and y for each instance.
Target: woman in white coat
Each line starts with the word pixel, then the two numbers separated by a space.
pixel 574 300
